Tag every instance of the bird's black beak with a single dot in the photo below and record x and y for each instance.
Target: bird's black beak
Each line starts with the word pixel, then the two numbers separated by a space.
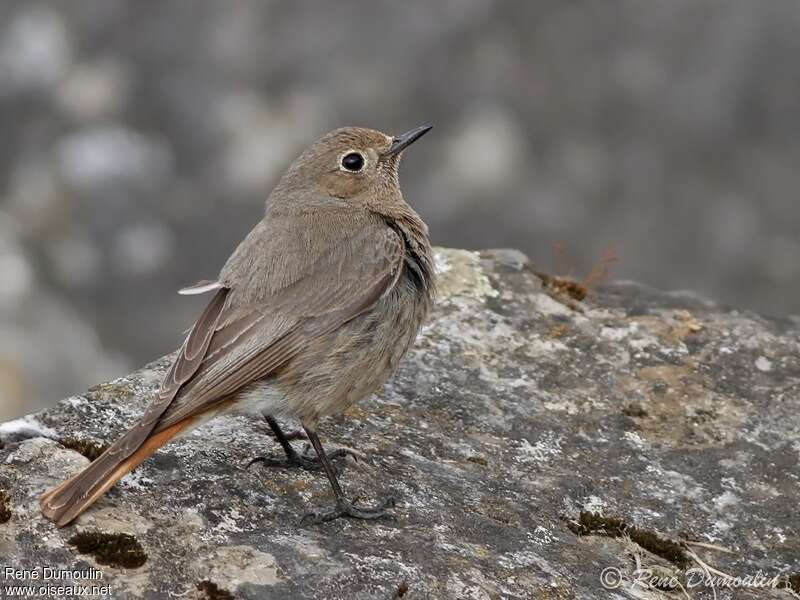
pixel 404 140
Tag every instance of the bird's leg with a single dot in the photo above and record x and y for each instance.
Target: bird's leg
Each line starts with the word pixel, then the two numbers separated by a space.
pixel 293 458
pixel 343 507
pixel 295 434
pixel 283 438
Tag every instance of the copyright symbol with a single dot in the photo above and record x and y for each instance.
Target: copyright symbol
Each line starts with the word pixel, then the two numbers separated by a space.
pixel 610 578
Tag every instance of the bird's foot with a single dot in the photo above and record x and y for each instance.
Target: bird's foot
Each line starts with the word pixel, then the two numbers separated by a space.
pixel 297 461
pixel 346 508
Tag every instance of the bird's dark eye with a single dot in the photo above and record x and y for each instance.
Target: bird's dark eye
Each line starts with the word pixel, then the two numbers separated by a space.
pixel 353 161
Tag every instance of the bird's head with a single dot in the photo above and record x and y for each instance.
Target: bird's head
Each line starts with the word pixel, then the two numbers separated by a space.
pixel 351 163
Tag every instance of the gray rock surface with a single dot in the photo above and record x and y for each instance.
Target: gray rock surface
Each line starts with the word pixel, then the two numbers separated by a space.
pixel 511 415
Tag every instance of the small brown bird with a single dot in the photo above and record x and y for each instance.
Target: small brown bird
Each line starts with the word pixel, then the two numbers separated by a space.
pixel 311 313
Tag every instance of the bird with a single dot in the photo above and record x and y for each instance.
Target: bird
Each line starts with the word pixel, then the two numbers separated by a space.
pixel 310 314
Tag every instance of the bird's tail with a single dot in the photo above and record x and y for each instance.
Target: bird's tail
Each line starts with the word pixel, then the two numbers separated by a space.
pixel 65 502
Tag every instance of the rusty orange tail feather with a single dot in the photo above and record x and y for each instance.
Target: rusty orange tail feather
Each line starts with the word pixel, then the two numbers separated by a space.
pixel 65 502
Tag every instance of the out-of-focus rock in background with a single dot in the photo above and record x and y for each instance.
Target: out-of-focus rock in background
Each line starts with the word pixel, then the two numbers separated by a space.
pixel 140 140
pixel 45 346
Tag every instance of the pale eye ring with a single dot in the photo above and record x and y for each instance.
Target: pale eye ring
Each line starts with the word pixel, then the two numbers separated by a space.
pixel 353 161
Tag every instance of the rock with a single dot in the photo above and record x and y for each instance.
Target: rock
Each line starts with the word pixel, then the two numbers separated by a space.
pixel 98 157
pixel 513 419
pixel 34 52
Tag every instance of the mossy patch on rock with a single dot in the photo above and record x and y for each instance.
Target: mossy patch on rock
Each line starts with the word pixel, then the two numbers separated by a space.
pixel 112 549
pixel 5 507
pixel 634 409
pixel 590 523
pixel 89 449
pixel 211 591
pixel 401 591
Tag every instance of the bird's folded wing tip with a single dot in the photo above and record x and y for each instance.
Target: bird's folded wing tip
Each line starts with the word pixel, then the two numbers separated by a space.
pixel 201 287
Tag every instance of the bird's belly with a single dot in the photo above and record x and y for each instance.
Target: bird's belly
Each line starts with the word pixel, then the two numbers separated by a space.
pixel 347 365
pixel 331 376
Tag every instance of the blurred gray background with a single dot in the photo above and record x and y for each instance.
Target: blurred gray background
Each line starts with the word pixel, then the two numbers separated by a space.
pixel 139 140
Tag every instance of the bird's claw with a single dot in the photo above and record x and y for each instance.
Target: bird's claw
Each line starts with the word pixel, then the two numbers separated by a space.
pixel 347 508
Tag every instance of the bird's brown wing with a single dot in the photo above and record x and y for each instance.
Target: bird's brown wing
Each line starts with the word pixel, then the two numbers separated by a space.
pixel 253 340
pixel 65 502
